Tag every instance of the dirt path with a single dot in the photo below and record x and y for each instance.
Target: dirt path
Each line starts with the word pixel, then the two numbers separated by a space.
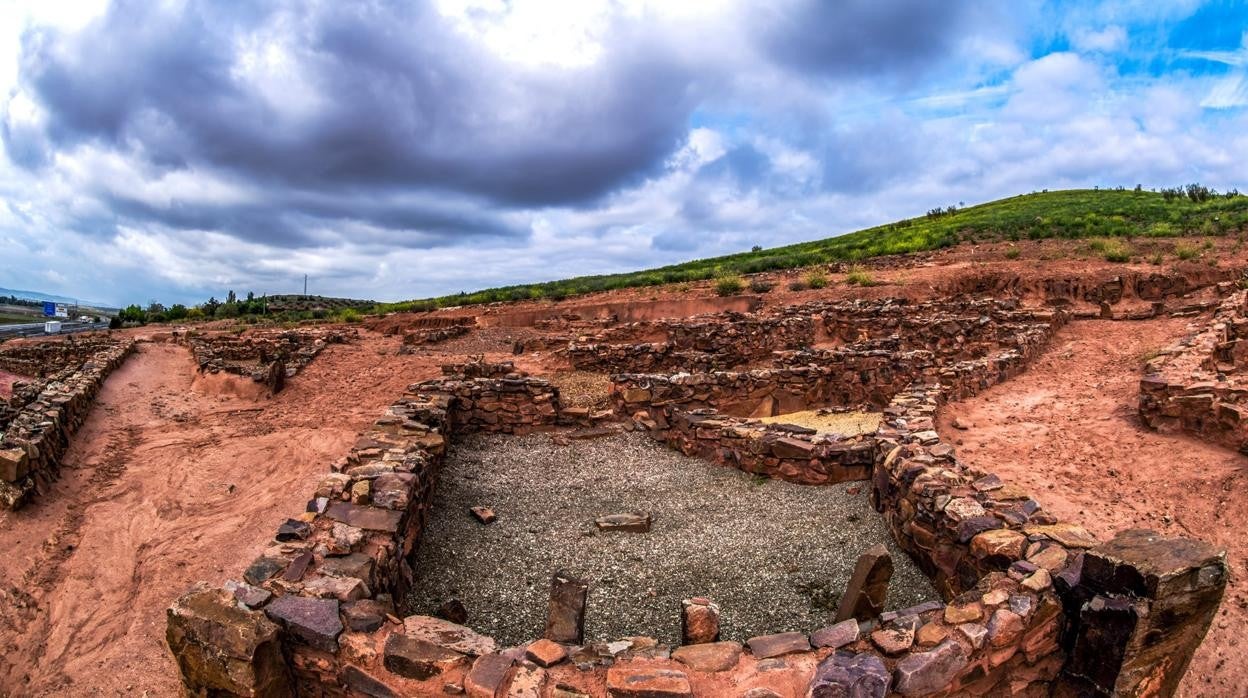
pixel 168 482
pixel 1067 431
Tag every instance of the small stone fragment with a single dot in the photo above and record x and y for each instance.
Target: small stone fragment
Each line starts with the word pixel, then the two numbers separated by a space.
pixel 293 529
pixel 699 621
pixel 767 646
pixel 893 640
pixel 545 653
pixel 248 595
pixel 635 522
pixel 485 515
pixel 454 611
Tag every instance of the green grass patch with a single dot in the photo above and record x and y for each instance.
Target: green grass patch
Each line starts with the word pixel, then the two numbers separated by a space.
pixel 729 285
pixel 858 276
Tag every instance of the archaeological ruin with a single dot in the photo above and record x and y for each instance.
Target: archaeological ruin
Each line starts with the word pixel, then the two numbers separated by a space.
pixel 1026 603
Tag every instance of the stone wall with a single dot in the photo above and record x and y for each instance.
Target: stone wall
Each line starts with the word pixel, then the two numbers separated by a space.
pixel 1197 385
pixel 1035 604
pixel 780 451
pixel 265 356
pixel 517 405
pixel 40 359
pixel 432 336
pixel 1032 605
pixel 37 432
pixel 719 341
pixel 304 611
pixel 845 378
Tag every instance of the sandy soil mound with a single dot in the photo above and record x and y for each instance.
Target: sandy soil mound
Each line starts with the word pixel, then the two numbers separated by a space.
pixel 165 485
pixel 1067 430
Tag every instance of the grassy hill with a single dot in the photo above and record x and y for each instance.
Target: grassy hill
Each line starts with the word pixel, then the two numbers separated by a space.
pixel 296 303
pixel 1076 213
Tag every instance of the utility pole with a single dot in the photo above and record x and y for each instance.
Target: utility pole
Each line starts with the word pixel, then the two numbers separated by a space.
pixel 305 284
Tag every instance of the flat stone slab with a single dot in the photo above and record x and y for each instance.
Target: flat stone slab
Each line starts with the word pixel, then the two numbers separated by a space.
pixel 633 522
pixel 628 680
pixel 419 659
pixel 370 518
pixel 448 635
pixel 314 620
pixel 709 656
pixel 835 636
pixel 768 646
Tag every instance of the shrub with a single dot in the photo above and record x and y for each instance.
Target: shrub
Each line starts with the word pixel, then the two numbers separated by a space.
pixel 1115 251
pixel 728 285
pixel 1185 252
pixel 816 279
pixel 1012 252
pixel 1155 259
pixel 349 315
pixel 761 285
pixel 858 276
pixel 798 285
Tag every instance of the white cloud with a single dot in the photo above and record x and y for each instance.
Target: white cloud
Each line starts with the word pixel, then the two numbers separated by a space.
pixel 1107 40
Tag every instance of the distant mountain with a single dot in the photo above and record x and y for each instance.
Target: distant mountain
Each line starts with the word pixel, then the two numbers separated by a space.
pixel 38 296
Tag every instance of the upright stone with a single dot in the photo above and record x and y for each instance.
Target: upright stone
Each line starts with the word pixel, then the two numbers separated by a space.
pixel 1152 599
pixel 699 621
pixel 565 617
pixel 222 649
pixel 867 588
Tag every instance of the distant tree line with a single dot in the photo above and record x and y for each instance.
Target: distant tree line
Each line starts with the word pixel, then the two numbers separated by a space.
pixel 14 300
pixel 208 310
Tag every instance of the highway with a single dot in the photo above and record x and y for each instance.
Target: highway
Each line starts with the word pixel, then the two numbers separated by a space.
pixel 31 329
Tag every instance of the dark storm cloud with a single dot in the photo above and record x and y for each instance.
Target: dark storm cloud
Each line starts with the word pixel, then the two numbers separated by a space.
pixel 855 38
pixel 382 124
pixel 398 102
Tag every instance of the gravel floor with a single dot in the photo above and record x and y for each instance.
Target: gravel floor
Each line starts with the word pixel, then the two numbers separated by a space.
pixel 774 555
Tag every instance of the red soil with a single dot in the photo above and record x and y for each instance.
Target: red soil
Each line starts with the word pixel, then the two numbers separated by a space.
pixel 173 480
pixel 169 481
pixel 1067 431
pixel 6 383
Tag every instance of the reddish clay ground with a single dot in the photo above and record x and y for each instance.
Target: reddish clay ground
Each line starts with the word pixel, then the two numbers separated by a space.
pixel 170 481
pixel 1067 431
pixel 173 480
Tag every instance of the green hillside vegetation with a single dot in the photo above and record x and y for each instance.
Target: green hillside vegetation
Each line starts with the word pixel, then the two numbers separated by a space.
pixel 1076 213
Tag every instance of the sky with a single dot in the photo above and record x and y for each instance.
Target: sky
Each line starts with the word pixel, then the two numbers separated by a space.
pixel 175 149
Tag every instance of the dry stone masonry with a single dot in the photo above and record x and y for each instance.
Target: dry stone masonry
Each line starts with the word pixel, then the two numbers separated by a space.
pixel 1196 386
pixel 268 357
pixel 41 416
pixel 1031 605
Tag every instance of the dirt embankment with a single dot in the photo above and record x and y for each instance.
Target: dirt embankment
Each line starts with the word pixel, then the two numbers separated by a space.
pixel 168 482
pixel 1067 431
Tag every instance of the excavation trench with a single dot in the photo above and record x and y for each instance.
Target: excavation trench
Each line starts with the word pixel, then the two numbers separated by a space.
pixel 1067 430
pixel 169 481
